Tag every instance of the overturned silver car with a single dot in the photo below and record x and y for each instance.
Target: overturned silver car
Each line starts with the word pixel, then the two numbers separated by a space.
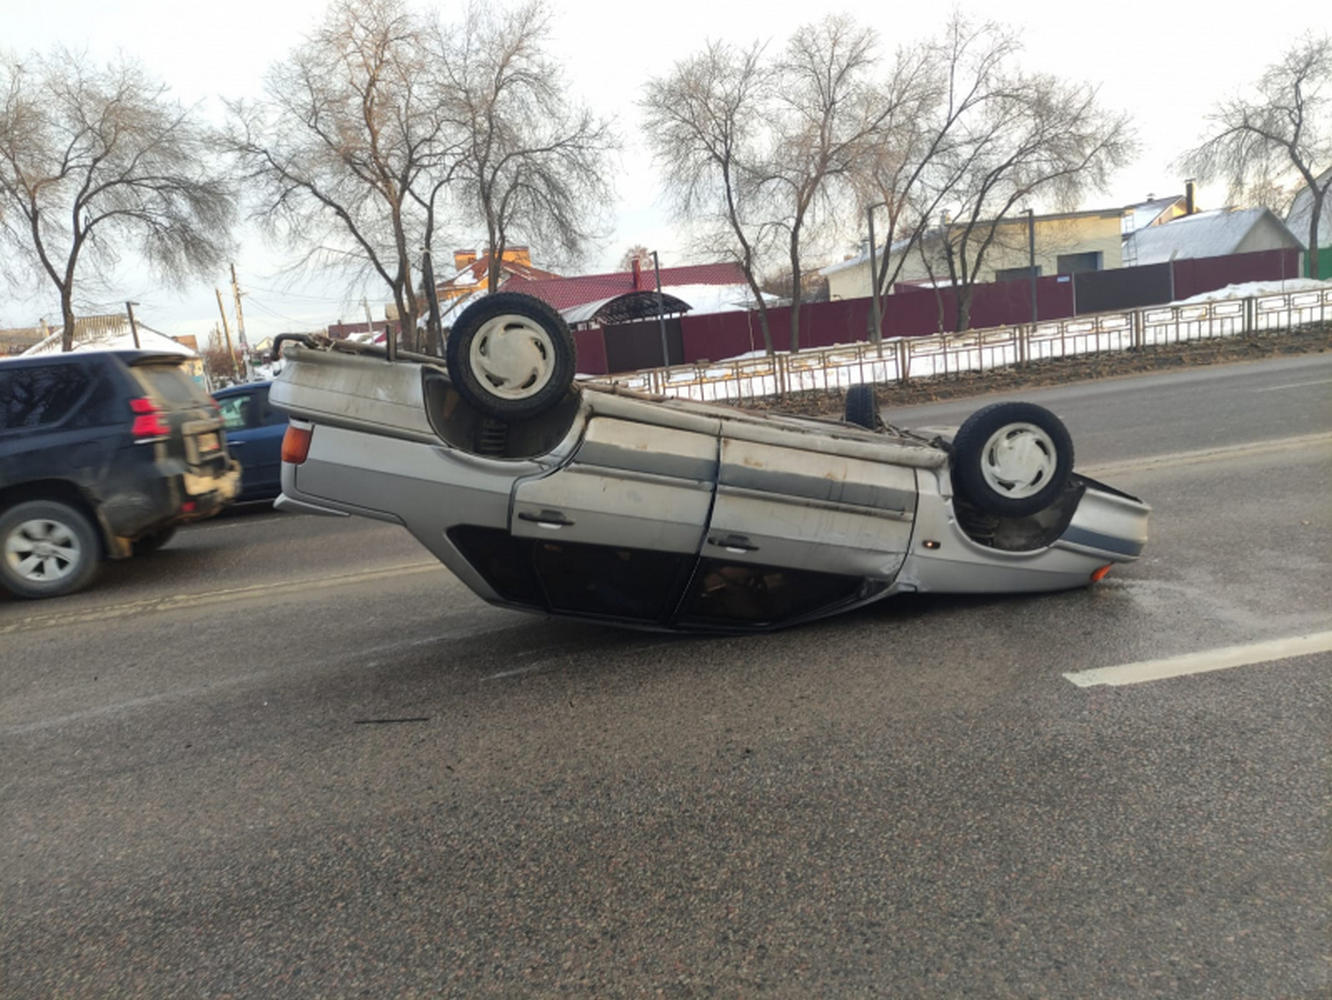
pixel 545 494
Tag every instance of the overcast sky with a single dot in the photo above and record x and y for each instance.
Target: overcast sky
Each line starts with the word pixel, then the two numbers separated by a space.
pixel 1164 62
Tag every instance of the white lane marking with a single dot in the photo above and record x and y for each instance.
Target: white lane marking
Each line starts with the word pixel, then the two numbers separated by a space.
pixel 171 602
pixel 102 711
pixel 1178 458
pixel 519 672
pixel 1294 385
pixel 240 521
pixel 1207 660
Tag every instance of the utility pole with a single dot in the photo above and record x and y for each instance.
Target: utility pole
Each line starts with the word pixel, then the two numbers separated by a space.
pixel 661 313
pixel 1031 259
pixel 876 330
pixel 134 327
pixel 240 324
pixel 226 332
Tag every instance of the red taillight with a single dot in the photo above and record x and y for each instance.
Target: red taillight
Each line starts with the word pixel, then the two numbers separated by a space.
pixel 149 424
pixel 1099 574
pixel 296 444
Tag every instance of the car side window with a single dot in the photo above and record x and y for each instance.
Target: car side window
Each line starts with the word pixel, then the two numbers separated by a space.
pixel 741 594
pixel 236 410
pixel 45 394
pixel 574 577
pixel 265 414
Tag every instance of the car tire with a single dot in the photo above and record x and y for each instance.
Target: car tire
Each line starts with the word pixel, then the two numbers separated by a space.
pixel 511 356
pixel 861 408
pixel 154 540
pixel 1012 459
pixel 47 549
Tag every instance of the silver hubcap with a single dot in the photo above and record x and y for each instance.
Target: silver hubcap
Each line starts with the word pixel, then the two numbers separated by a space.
pixel 512 356
pixel 42 550
pixel 1018 460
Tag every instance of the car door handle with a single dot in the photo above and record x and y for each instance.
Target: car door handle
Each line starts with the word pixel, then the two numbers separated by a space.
pixel 733 543
pixel 552 519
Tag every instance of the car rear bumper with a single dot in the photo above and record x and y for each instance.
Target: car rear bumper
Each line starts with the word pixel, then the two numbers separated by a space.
pixel 284 502
pixel 173 494
pixel 204 494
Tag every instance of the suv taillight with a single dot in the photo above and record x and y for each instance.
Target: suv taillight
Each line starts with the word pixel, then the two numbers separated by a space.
pixel 149 423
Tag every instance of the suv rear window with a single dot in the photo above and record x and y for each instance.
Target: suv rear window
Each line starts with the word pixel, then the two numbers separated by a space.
pixel 38 395
pixel 171 384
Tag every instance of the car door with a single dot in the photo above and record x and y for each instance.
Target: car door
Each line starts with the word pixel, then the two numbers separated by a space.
pixel 263 443
pixel 616 531
pixel 800 525
pixel 254 436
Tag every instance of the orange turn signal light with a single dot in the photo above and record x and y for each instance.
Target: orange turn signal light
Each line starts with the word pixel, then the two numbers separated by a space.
pixel 296 444
pixel 1099 574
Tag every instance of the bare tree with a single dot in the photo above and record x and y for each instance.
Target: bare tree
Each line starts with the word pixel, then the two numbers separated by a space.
pixel 98 163
pixel 827 113
pixel 1038 139
pixel 705 123
pixel 533 163
pixel 922 147
pixel 637 252
pixel 350 150
pixel 1283 129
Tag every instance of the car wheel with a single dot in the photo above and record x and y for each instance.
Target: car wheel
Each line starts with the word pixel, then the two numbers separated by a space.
pixel 154 540
pixel 1012 459
pixel 47 549
pixel 861 408
pixel 511 356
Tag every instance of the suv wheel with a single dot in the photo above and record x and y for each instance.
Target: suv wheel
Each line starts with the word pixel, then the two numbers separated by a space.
pixel 47 549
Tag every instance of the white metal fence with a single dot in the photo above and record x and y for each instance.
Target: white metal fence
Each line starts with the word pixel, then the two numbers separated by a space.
pixel 902 358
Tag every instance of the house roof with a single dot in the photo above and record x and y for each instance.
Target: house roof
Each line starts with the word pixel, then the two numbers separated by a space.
pixel 565 293
pixel 111 333
pixel 475 272
pixel 1301 210
pixel 1146 213
pixel 1204 234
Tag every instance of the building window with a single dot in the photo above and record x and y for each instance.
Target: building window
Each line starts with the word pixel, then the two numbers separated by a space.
pixel 1076 263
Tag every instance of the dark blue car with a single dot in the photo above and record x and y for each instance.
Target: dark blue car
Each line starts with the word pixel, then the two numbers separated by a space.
pixel 254 437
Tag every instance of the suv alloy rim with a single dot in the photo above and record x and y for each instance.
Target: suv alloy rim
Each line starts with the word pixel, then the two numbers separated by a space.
pixel 42 550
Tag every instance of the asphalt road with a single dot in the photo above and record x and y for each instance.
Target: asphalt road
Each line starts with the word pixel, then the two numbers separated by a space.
pixel 292 756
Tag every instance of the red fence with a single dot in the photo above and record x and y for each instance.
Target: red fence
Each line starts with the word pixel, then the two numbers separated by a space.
pixel 915 311
pixel 1207 274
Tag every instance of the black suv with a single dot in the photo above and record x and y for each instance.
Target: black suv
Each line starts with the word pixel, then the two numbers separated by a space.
pixel 102 454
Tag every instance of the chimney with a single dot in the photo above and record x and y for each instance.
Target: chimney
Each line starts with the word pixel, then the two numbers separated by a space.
pixel 637 268
pixel 1190 205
